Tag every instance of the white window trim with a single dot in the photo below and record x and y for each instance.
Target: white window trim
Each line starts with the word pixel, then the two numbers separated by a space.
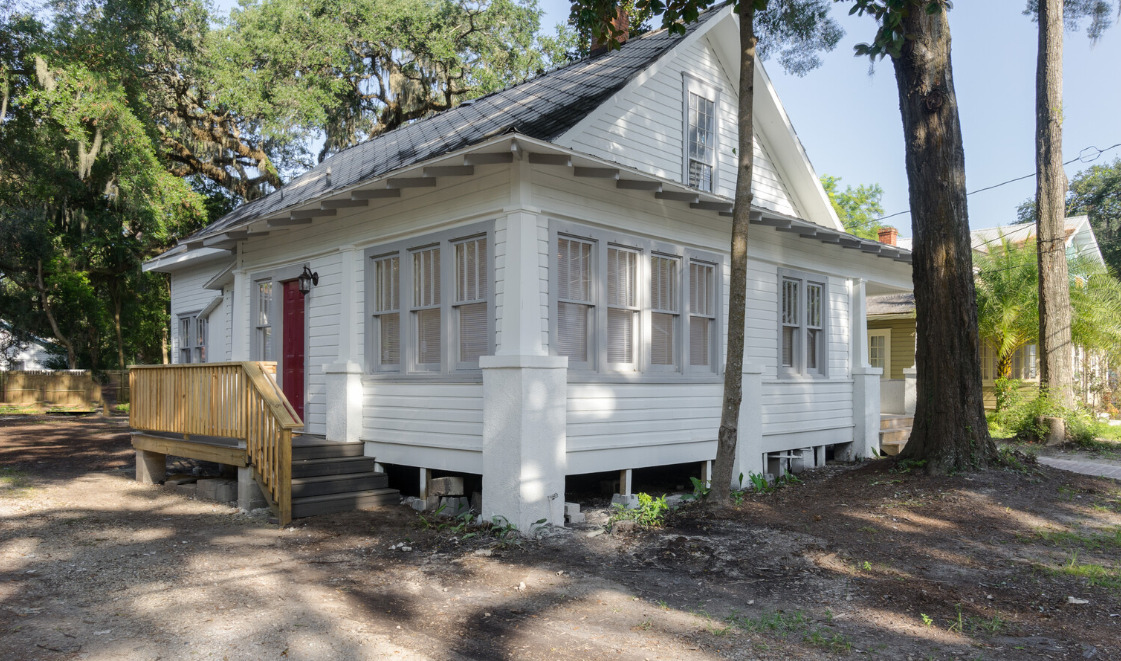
pixel 642 368
pixel 694 85
pixel 886 334
pixel 799 370
pixel 191 347
pixel 449 365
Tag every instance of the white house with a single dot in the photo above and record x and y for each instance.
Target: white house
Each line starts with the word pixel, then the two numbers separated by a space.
pixel 534 284
pixel 29 354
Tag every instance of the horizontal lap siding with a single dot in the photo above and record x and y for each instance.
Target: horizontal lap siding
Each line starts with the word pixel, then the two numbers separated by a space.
pixel 801 406
pixel 324 307
pixel 189 296
pixel 640 416
pixel 446 416
pixel 644 129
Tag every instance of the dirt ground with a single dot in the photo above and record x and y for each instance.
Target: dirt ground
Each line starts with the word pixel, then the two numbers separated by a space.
pixel 856 561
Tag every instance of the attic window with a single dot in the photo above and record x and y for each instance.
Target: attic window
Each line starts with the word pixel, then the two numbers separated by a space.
pixel 699 111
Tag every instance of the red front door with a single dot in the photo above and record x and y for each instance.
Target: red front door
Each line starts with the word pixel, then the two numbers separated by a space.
pixel 292 382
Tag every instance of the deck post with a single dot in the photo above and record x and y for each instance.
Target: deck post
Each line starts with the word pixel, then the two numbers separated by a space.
pixel 865 413
pixel 151 467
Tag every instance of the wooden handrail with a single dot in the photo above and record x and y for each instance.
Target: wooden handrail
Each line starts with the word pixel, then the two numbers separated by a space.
pixel 234 400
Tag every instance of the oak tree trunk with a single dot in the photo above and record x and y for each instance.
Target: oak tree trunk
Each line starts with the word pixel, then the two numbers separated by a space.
pixel 737 296
pixel 1056 360
pixel 950 431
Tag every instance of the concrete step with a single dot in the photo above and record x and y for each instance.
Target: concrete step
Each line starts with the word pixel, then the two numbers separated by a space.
pixel 303 487
pixel 325 450
pixel 344 502
pixel 896 421
pixel 332 466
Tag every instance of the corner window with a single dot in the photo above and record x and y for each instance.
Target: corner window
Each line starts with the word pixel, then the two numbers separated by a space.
pixel 445 281
pixel 802 328
pixel 192 338
pixel 700 103
pixel 627 305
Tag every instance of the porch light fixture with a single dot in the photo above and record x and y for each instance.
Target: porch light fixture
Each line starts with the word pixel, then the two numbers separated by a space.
pixel 307 280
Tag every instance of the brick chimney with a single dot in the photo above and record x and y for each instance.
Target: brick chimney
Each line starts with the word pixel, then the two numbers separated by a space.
pixel 888 235
pixel 621 22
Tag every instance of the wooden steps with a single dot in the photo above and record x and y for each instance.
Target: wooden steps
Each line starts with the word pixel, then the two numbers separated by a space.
pixel 894 432
pixel 335 477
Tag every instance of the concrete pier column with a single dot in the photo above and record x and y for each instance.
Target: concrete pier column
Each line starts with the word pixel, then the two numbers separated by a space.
pixel 524 438
pixel 749 441
pixel 249 496
pixel 910 390
pixel 344 401
pixel 865 412
pixel 151 467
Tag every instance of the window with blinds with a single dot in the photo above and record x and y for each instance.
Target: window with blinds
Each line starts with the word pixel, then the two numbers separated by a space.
pixel 802 325
pixel 664 310
pixel 202 325
pixel 622 305
pixel 192 338
pixel 426 307
pixel 471 293
pixel 429 302
pixel 574 299
pixel 702 312
pixel 386 318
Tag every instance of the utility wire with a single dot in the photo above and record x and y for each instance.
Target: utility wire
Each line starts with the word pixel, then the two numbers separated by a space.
pixel 1083 156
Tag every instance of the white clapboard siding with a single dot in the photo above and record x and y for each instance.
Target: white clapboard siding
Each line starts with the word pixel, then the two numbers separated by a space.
pixel 404 422
pixel 188 296
pixel 644 128
pixel 802 406
pixel 323 313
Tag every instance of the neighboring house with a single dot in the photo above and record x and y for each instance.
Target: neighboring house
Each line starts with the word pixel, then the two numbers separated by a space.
pixel 891 322
pixel 29 354
pixel 534 284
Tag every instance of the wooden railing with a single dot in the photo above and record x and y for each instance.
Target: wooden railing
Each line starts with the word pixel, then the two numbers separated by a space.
pixel 232 400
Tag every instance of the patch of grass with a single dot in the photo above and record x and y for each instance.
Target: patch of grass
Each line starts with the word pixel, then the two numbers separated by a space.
pixel 14 482
pixel 650 513
pixel 782 625
pixel 17 409
pixel 121 408
pixel 1110 538
pixel 1093 573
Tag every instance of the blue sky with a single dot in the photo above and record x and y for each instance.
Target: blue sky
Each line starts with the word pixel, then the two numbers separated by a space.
pixel 849 121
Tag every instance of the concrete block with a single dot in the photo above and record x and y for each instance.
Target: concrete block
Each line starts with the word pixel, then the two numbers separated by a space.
pixel 249 495
pixel 477 502
pixel 207 488
pixel 431 503
pixel 445 486
pixel 151 467
pixel 226 491
pixel 574 518
pixel 630 502
pixel 571 508
pixel 418 504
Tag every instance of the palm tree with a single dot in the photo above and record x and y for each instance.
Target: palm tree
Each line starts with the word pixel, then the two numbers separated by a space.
pixel 1007 283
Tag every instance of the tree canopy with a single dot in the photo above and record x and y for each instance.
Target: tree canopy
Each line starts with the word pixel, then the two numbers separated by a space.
pixel 858 208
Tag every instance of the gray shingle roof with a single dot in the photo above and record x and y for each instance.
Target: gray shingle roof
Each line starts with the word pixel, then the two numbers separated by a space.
pixel 901 303
pixel 543 107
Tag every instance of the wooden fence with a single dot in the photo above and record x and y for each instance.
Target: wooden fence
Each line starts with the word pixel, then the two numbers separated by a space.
pixel 68 388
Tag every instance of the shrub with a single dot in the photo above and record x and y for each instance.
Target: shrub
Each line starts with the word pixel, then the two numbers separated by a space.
pixel 650 513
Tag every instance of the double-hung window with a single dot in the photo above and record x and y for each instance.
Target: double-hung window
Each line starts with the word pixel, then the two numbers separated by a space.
pixel 429 303
pixel 192 338
pixel 700 103
pixel 624 305
pixel 264 320
pixel 802 324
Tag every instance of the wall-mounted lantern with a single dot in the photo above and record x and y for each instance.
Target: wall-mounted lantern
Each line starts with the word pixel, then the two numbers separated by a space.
pixel 307 280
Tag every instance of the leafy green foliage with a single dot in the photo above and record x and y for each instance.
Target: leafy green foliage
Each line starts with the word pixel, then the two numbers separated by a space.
pixel 889 14
pixel 1099 13
pixel 650 513
pixel 858 208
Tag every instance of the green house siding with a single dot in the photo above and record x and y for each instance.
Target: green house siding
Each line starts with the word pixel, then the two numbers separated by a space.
pixel 902 343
